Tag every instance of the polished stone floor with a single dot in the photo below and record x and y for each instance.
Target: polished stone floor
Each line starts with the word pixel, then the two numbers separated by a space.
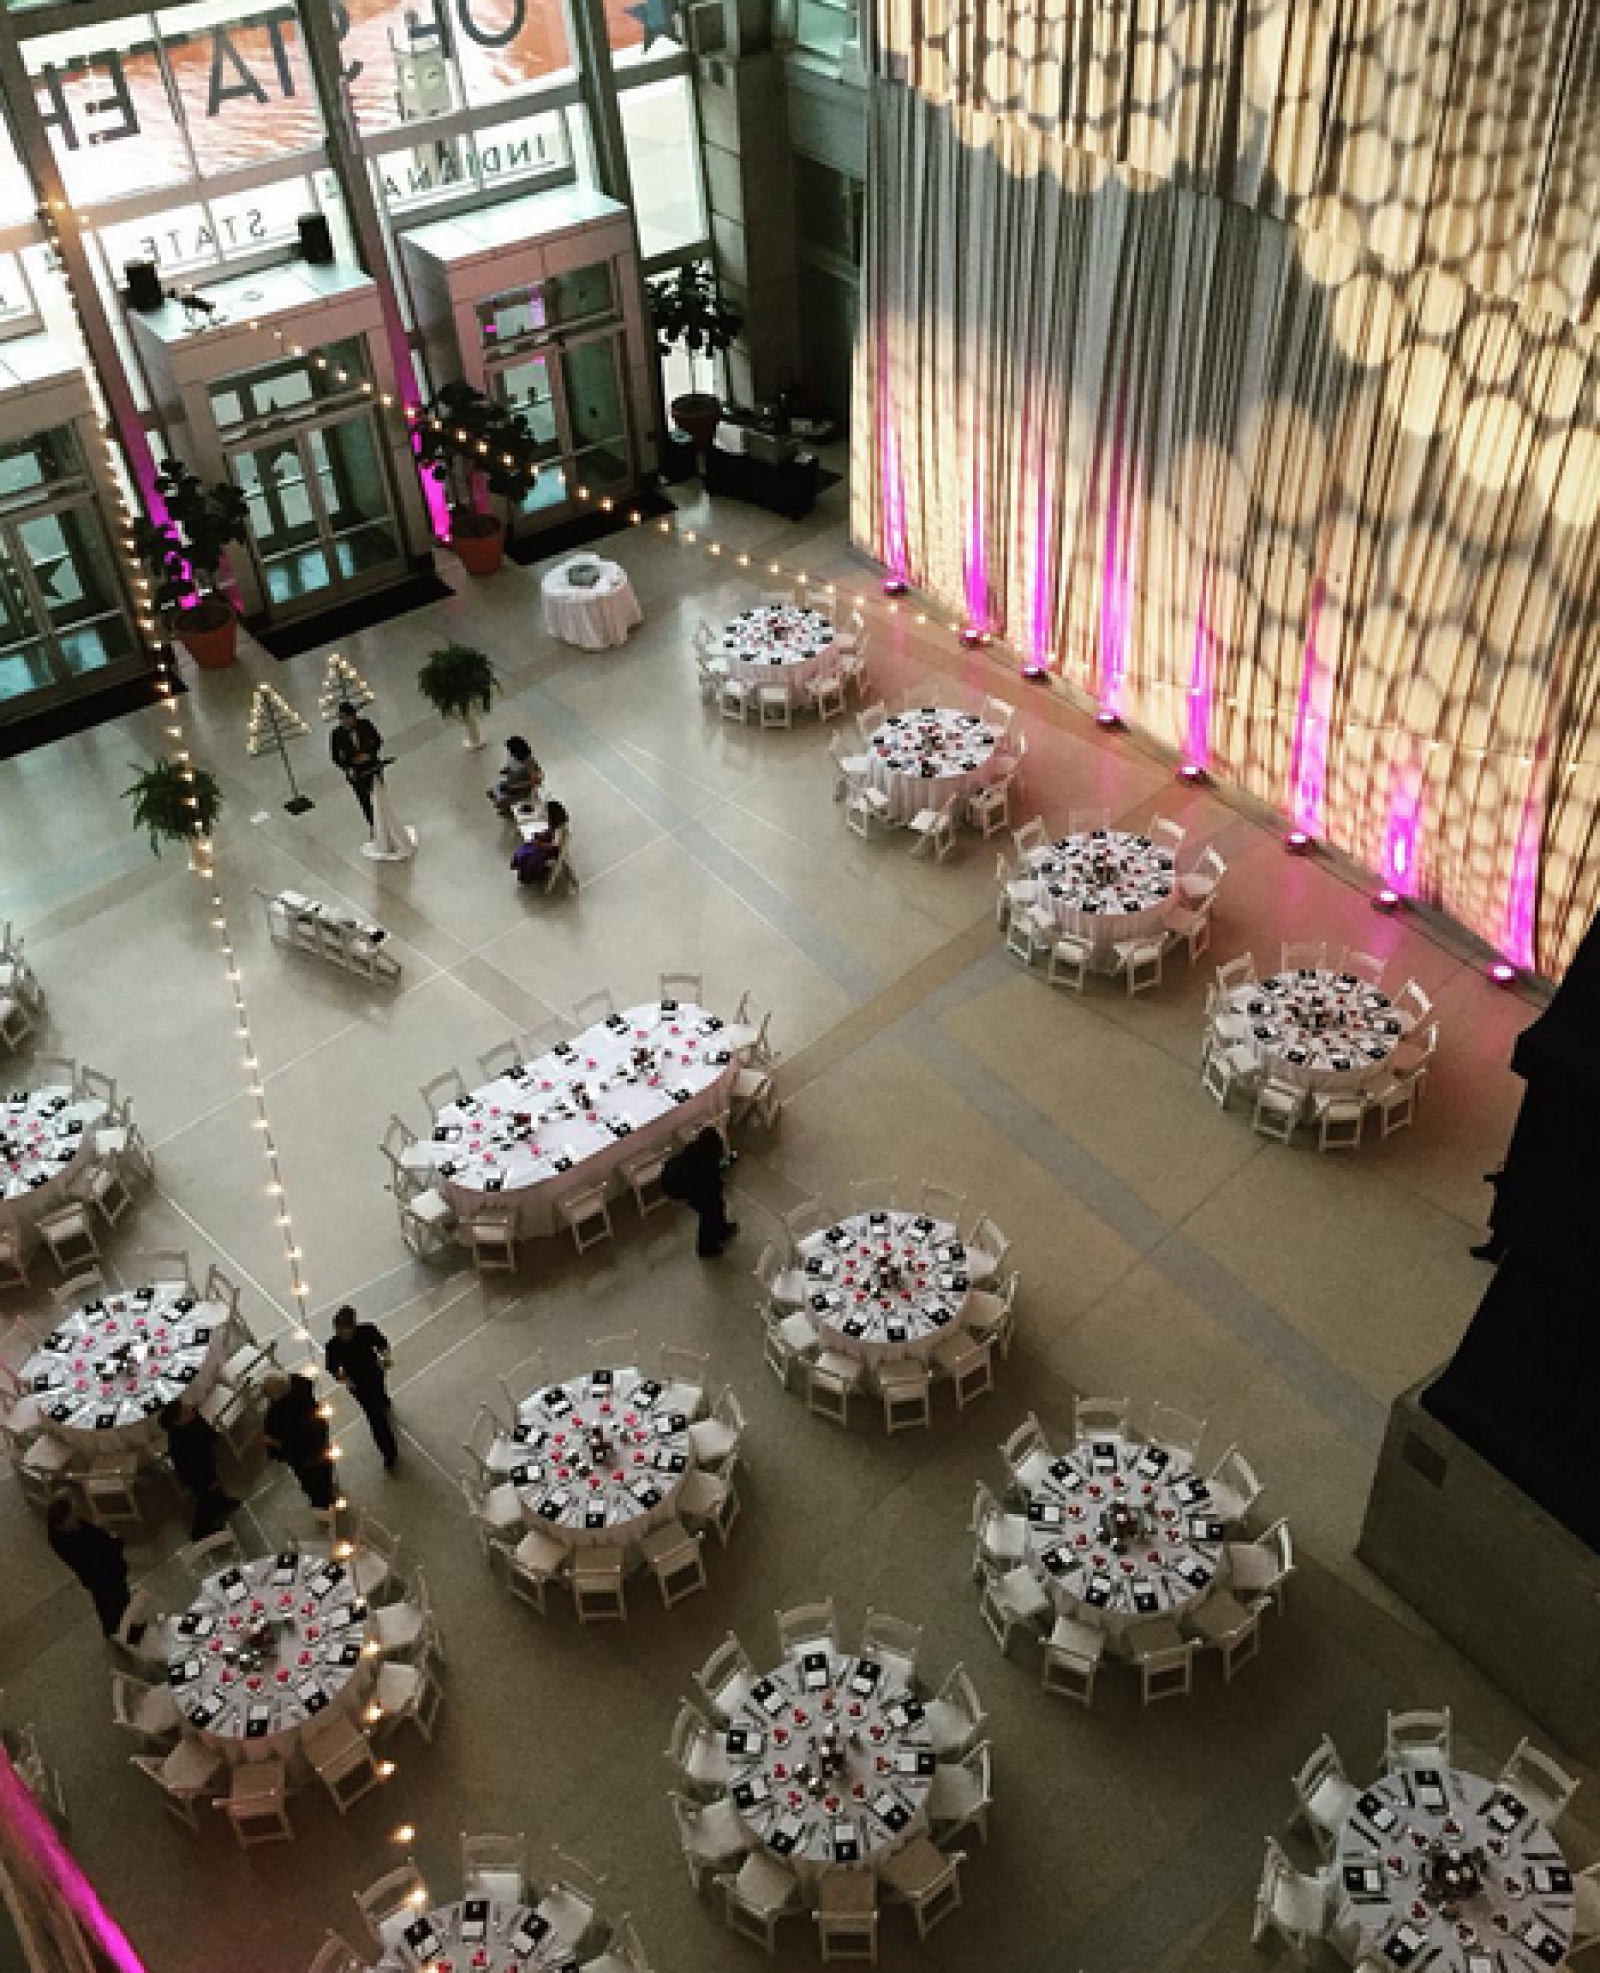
pixel 1164 1251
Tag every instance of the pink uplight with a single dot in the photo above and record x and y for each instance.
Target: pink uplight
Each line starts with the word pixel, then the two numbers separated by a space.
pixel 1519 915
pixel 1298 842
pixel 57 1866
pixel 1387 900
pixel 1404 827
pixel 893 492
pixel 976 564
pixel 1114 598
pixel 1502 973
pixel 1041 586
pixel 1197 740
pixel 1308 768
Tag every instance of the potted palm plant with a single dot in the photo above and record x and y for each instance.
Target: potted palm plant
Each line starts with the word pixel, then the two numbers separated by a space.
pixel 184 556
pixel 174 804
pixel 459 683
pixel 686 307
pixel 473 446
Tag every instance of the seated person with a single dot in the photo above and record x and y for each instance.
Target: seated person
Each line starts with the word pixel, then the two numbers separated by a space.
pixel 535 858
pixel 520 776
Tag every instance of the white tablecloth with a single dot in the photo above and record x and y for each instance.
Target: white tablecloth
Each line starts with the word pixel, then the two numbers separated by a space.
pixel 563 1123
pixel 1173 1560
pixel 584 1488
pixel 860 1814
pixel 45 1136
pixel 266 1650
pixel 1318 1029
pixel 481 1935
pixel 919 759
pixel 1107 886
pixel 883 1284
pixel 594 618
pixel 102 1375
pixel 1519 1921
pixel 778 644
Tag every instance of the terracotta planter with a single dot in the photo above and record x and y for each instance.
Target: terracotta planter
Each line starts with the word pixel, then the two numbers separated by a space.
pixel 698 413
pixel 479 542
pixel 210 634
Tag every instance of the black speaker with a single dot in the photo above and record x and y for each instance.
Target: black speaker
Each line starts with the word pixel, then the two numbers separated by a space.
pixel 316 242
pixel 144 285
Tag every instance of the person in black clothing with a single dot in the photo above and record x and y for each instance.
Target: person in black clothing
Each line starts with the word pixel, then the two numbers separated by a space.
pixel 358 1355
pixel 95 1557
pixel 1498 1244
pixel 192 1449
pixel 694 1176
pixel 357 749
pixel 297 1433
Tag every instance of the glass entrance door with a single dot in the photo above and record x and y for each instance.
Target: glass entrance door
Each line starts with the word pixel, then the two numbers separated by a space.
pixel 571 395
pixel 321 518
pixel 63 627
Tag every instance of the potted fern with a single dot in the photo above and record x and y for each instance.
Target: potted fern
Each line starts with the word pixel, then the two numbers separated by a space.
pixel 469 443
pixel 174 805
pixel 459 683
pixel 184 556
pixel 686 307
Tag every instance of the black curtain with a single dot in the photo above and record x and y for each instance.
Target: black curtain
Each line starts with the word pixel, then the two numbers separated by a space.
pixel 1523 1389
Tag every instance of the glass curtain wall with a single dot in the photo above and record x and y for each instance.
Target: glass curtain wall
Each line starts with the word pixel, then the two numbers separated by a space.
pixel 192 136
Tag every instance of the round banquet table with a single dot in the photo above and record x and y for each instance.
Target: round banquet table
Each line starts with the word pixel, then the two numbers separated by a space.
pixel 777 644
pixel 595 617
pixel 45 1136
pixel 101 1376
pixel 882 1285
pixel 922 757
pixel 265 1649
pixel 1165 1560
pixel 480 1935
pixel 565 1122
pixel 1107 886
pixel 599 1458
pixel 1516 1918
pixel 833 1705
pixel 1317 1029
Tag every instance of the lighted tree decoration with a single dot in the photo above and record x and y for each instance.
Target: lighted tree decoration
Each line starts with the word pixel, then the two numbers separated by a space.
pixel 274 722
pixel 342 685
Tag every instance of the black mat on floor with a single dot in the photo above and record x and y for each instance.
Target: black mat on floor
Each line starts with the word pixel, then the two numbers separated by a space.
pixel 21 736
pixel 591 525
pixel 825 479
pixel 288 640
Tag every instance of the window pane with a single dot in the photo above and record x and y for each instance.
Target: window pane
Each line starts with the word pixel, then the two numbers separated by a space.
pixel 28 465
pixel 823 26
pixel 824 208
pixel 409 60
pixel 294 387
pixel 664 164
pixel 104 103
pixel 642 30
pixel 243 82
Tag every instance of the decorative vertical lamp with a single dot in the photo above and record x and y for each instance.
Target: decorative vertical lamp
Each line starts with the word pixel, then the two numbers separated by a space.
pixel 273 722
pixel 342 685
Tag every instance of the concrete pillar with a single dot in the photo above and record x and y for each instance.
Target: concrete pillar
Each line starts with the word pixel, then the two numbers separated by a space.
pixel 741 94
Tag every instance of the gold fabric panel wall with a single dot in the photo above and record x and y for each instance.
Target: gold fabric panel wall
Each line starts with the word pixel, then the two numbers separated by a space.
pixel 1242 368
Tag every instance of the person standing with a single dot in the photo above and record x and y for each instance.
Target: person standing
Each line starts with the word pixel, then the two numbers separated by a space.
pixel 95 1557
pixel 357 749
pixel 694 1176
pixel 192 1448
pixel 358 1355
pixel 297 1433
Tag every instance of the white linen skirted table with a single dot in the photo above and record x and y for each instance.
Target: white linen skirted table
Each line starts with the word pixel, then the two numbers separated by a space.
pixel 480 1935
pixel 1106 886
pixel 882 1285
pixel 595 616
pixel 921 758
pixel 104 1372
pixel 830 1761
pixel 1120 1532
pixel 265 1649
pixel 46 1136
pixel 597 1458
pixel 565 1122
pixel 778 645
pixel 1441 1866
pixel 1316 1029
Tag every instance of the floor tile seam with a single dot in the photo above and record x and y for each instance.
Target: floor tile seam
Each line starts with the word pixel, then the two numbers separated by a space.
pixel 226 1256
pixel 1201 1277
pixel 81 908
pixel 717 859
